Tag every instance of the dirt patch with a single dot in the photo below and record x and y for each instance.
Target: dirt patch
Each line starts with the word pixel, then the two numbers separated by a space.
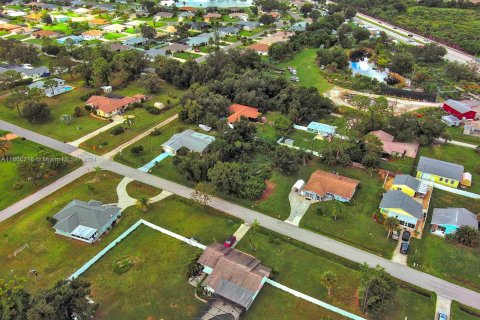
pixel 268 190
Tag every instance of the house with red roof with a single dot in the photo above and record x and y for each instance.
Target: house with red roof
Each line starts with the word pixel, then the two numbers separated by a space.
pixel 109 106
pixel 396 149
pixel 239 110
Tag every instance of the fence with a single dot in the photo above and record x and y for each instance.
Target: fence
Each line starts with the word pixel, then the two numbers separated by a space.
pixel 396 92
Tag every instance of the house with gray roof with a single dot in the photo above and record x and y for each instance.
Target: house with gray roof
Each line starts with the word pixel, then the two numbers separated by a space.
pixel 135 41
pixel 155 52
pixel 438 171
pixel 86 221
pixel 228 30
pixel 397 204
pixel 448 220
pixel 189 139
pixel 32 73
pixel 410 185
pixel 248 25
pixel 199 40
pixel 298 27
pixel 51 91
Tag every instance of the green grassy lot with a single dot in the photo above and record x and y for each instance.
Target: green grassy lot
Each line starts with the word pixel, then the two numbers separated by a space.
pixel 307 69
pixel 60 27
pixel 355 225
pixel 464 156
pixel 113 36
pixel 18 37
pixel 137 189
pixel 34 41
pixel 59 105
pixel 457 134
pixel 456 313
pixel 186 55
pixel 56 257
pixel 306 140
pixel 3 33
pixel 131 30
pixel 405 165
pixel 443 258
pixel 207 49
pixel 303 273
pixel 24 148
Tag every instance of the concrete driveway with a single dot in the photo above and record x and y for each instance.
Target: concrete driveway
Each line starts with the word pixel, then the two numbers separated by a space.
pixel 443 305
pixel 397 256
pixel 298 206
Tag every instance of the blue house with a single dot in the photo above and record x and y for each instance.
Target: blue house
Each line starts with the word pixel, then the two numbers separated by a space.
pixel 321 128
pixel 135 41
pixel 448 220
pixel 86 221
pixel 75 39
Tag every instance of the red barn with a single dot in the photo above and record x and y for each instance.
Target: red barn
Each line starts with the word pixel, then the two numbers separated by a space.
pixel 459 110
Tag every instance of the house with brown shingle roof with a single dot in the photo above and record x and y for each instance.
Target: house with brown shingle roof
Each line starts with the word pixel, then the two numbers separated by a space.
pixel 45 34
pixel 107 107
pixel 324 186
pixel 260 48
pixel 233 275
pixel 92 34
pixel 239 110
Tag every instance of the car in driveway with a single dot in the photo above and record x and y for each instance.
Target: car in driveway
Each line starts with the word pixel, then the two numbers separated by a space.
pixel 404 247
pixel 406 236
pixel 395 235
pixel 442 316
pixel 230 241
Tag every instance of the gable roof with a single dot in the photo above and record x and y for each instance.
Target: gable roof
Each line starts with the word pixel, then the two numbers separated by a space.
pixel 410 149
pixel 323 182
pixel 240 110
pixel 91 215
pixel 192 140
pixel 440 168
pixel 407 180
pixel 322 127
pixel 396 199
pixel 92 33
pixel 382 135
pixel 454 216
pixel 261 47
pixel 45 33
pixel 108 105
pixel 458 106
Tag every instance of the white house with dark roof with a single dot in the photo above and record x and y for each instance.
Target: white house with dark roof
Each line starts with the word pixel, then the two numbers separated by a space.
pixel 189 139
pixel 448 220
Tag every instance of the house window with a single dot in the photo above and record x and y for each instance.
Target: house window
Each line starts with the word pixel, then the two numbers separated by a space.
pixel 441 228
pixel 452 182
pixel 446 181
pixel 441 179
pixel 411 225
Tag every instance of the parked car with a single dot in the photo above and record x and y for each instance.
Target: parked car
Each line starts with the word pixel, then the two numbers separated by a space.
pixel 404 247
pixel 395 235
pixel 410 35
pixel 442 316
pixel 230 241
pixel 197 50
pixel 406 235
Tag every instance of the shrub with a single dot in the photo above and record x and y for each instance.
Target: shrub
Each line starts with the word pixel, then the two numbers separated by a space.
pixel 78 112
pixel 155 132
pixel 122 265
pixel 153 111
pixel 467 235
pixel 52 220
pixel 17 186
pixel 137 150
pixel 117 130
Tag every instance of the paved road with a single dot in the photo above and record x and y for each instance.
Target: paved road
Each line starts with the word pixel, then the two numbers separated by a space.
pixel 401 35
pixel 418 278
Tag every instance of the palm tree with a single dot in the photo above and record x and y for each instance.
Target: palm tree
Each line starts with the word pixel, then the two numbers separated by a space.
pixel 97 170
pixel 390 223
pixel 255 225
pixel 329 280
pixel 143 203
pixel 128 120
pixel 336 210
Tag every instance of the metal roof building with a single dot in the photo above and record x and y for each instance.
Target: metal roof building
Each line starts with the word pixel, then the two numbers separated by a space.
pixel 192 140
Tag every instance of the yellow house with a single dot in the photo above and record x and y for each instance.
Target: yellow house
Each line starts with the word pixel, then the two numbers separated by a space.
pixel 406 183
pixel 441 172
pixel 397 204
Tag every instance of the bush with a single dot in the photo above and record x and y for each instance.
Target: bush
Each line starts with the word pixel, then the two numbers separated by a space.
pixel 135 106
pixel 153 111
pixel 17 186
pixel 78 112
pixel 467 236
pixel 137 150
pixel 52 220
pixel 36 112
pixel 155 132
pixel 117 130
pixel 122 265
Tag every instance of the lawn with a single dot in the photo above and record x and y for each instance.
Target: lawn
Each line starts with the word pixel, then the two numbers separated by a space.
pixel 307 69
pixel 59 105
pixel 4 33
pixel 60 27
pixel 55 257
pixel 8 178
pixel 208 49
pixel 457 134
pixel 35 41
pixel 456 313
pixel 186 55
pixel 464 156
pixel 131 30
pixel 432 252
pixel 404 165
pixel 18 37
pixel 113 36
pixel 306 140
pixel 299 274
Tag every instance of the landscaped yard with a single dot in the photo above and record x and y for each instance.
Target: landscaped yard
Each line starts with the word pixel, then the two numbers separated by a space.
pixel 307 69
pixel 443 258
pixel 460 155
pixel 186 55
pixel 60 27
pixel 59 105
pixel 113 36
pixel 18 37
pixel 8 169
pixel 456 313
pixel 307 141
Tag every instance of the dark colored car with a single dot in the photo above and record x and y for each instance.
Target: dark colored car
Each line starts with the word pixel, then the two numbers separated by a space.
pixel 406 236
pixel 442 316
pixel 404 247
pixel 230 241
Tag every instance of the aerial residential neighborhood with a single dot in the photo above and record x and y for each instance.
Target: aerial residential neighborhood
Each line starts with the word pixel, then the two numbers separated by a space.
pixel 240 159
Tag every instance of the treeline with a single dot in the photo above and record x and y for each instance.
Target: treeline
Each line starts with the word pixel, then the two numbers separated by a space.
pixel 17 52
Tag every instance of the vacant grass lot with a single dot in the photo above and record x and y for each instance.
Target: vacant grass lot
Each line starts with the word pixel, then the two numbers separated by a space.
pixel 186 55
pixel 304 272
pixel 55 257
pixel 59 105
pixel 443 258
pixel 307 141
pixel 114 36
pixel 464 156
pixel 8 176
pixel 458 314
pixel 307 69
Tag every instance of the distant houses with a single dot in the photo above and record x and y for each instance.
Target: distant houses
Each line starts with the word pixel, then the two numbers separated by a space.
pixel 109 106
pixel 447 220
pixel 260 48
pixel 29 73
pixel 325 186
pixel 86 221
pixel 191 140
pixel 92 34
pixel 441 172
pixel 135 41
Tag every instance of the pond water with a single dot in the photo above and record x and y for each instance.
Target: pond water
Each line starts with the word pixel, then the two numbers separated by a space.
pixel 211 3
pixel 365 68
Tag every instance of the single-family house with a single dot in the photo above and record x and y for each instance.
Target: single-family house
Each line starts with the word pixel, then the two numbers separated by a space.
pixel 97 22
pixel 135 41
pixel 45 34
pixel 239 15
pixel 36 17
pixel 59 88
pixel 260 48
pixel 298 27
pixel 233 275
pixel 276 15
pixel 92 34
pixel 438 171
pixel 155 52
pixel 162 15
pixel 114 28
pixel 239 110
pixel 448 220
pixel 396 149
pixel 397 204
pixel 189 139
pixel 248 25
pixel 72 38
pixel 227 31
pixel 211 16
pixel 33 73
pixel 325 186
pixel 199 25
pixel 187 9
pixel 200 40
pixel 86 221
pixel 81 11
pixel 109 106
pixel 171 29
pixel 60 18
pixel 8 27
pixel 451 120
pixel 409 185
pixel 15 13
pixel 321 128
pixel 177 47
pixel 186 15
pixel 460 110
